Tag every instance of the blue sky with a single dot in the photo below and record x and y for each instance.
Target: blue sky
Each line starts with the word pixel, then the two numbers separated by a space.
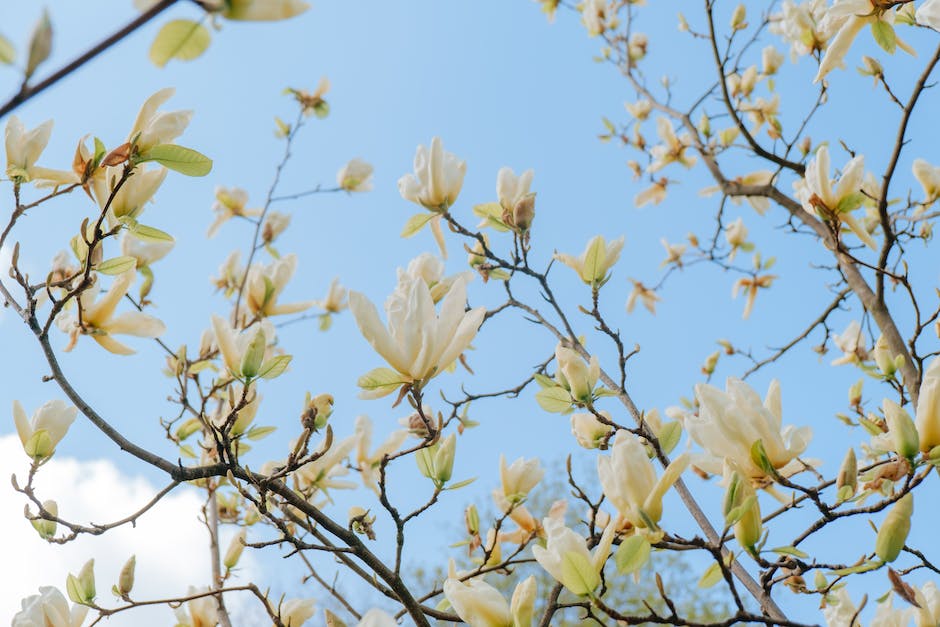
pixel 501 87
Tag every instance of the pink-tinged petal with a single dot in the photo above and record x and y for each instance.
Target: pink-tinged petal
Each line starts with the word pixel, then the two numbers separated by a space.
pixel 112 345
pixel 135 323
pixel 372 329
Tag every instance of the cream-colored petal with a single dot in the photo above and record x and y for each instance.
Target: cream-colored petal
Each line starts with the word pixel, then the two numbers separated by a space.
pixel 99 313
pixel 372 329
pixel 135 323
pixel 112 345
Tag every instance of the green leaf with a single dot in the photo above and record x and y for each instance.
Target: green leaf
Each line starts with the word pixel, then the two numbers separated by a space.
pixel 578 574
pixel 633 553
pixel 187 451
pixel 460 484
pixel 791 550
pixel 179 39
pixel 884 36
pixel 183 160
pixel 274 367
pixel 492 214
pixel 257 433
pixel 760 459
pixel 711 576
pixel 253 356
pixel 380 381
pixel 116 265
pixel 544 381
pixel 861 568
pixel 40 45
pixel 148 233
pixel 415 223
pixel 737 513
pixel 850 202
pixel 556 400
pixel 7 51
pixel 669 436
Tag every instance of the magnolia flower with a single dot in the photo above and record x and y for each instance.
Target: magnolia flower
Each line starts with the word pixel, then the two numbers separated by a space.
pixel 321 474
pixel 849 17
pixel 135 193
pixel 229 203
pixel 729 423
pixel 594 16
pixel 199 612
pixel 629 481
pixel 655 193
pixel 152 127
pixel 377 618
pixel 741 85
pixel 437 178
pixel 928 14
pixel 672 149
pixel 98 319
pixel 335 300
pixel 927 175
pixel 764 111
pixel 771 60
pixel 928 598
pixel 295 612
pixel 430 269
pixel 231 273
pixel 274 224
pixel 263 10
pixel 852 343
pixel 839 610
pixel 49 609
pixel 589 431
pixel 640 109
pixel 519 478
pixel 512 189
pixel 647 296
pixel 23 149
pixel 596 260
pixel 736 236
pixel 144 253
pixel 674 253
pixel 418 343
pixel 244 353
pixel 928 407
pixel 265 284
pixel 751 285
pixel 355 176
pixel 803 26
pixel 576 376
pixel 476 602
pixel 369 463
pixel 43 432
pixel 566 557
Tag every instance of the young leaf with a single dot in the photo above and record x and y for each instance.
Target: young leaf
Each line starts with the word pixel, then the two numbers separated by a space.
pixel 183 160
pixel 274 367
pixel 7 51
pixel 179 39
pixel 554 399
pixel 116 265
pixel 148 233
pixel 40 45
pixel 632 554
pixel 415 223
pixel 884 36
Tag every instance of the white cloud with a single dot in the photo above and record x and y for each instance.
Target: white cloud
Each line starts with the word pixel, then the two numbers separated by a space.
pixel 169 541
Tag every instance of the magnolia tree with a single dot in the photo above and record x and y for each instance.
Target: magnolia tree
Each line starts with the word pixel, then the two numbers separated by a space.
pixel 757 528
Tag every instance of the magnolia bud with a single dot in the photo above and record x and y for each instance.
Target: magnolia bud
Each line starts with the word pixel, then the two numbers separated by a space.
pixel 884 358
pixel 902 429
pixel 893 532
pixel 708 368
pixel 81 589
pixel 705 125
pixel 847 481
pixel 806 144
pixel 444 459
pixel 739 17
pixel 472 520
pixel 235 548
pixel 254 355
pixel 524 212
pixel 522 606
pixel 742 508
pixel 46 528
pixel 855 393
pixel 126 578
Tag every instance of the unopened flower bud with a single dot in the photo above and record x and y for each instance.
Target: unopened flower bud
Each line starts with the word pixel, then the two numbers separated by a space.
pixel 806 144
pixel 902 429
pixel 317 410
pixel 81 588
pixel 871 67
pixel 855 393
pixel 893 531
pixel 472 519
pixel 708 368
pixel 743 510
pixel 883 357
pixel 444 459
pixel 235 548
pixel 46 528
pixel 847 481
pixel 705 125
pixel 739 18
pixel 524 212
pixel 126 578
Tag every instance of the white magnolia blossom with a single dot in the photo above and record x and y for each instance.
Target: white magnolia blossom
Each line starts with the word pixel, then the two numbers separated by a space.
pixel 566 557
pixel 49 608
pixel 771 60
pixel 595 15
pixel 145 253
pixel 235 346
pixel 377 618
pixel 430 269
pixel 576 375
pixel 596 260
pixel 100 322
pixel 199 612
pixel 355 176
pixel 295 612
pixel 852 344
pixel 43 432
pixel 511 189
pixel 419 343
pixel 153 127
pixel 476 602
pixel 729 423
pixel 335 300
pixel 322 474
pixel 928 407
pixel 847 18
pixel 640 109
pixel 131 199
pixel 736 236
pixel 629 481
pixel 229 203
pixel 265 284
pixel 520 477
pixel 927 175
pixel 802 25
pixel 833 200
pixel 928 597
pixel 588 430
pixel 760 203
pixel 672 149
pixel 23 149
pixel 840 610
pixel 437 178
pixel 928 14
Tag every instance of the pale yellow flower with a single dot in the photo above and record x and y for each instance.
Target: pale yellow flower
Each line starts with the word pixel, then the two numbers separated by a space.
pixel 49 608
pixel 566 557
pixel 24 147
pixel 153 127
pixel 355 176
pixel 437 179
pixel 265 284
pixel 199 612
pixel 43 432
pixel 229 203
pixel 596 261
